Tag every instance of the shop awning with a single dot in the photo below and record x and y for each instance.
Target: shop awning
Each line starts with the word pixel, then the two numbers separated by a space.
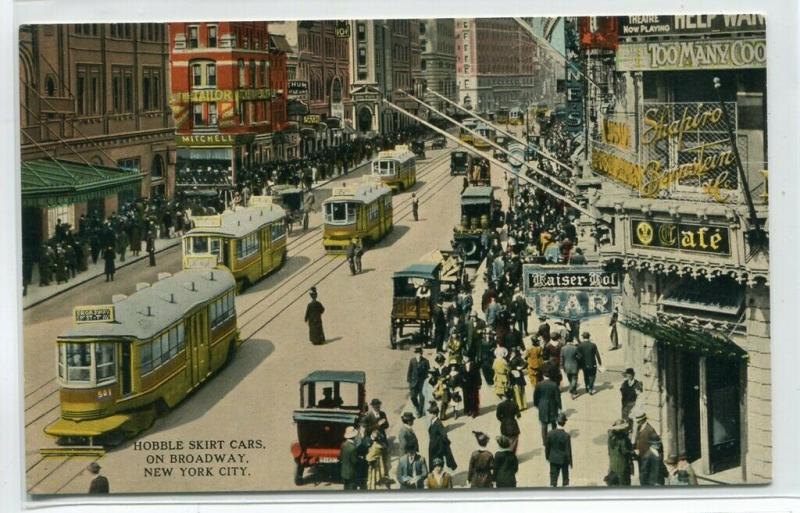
pixel 725 297
pixel 685 337
pixel 51 182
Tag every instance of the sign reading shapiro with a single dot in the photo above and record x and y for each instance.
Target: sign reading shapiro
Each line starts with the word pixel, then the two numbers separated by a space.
pixel 571 292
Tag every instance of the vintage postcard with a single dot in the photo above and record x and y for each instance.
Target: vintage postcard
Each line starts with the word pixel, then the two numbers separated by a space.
pixel 391 254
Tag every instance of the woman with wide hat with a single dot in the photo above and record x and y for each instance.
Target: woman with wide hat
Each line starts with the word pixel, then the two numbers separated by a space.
pixel 481 464
pixel 620 454
pixel 438 478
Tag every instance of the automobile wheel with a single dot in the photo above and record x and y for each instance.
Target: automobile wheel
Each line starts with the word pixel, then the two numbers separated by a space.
pixel 298 474
pixel 469 247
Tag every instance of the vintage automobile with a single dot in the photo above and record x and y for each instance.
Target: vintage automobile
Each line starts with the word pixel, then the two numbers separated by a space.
pixel 330 401
pixel 416 290
pixel 460 162
pixel 451 271
pixel 418 148
pixel 479 211
pixel 502 141
pixel 292 199
pixel 439 142
pixel 480 172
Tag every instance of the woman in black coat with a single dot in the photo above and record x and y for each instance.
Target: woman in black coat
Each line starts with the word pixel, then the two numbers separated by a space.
pixel 505 464
pixel 438 442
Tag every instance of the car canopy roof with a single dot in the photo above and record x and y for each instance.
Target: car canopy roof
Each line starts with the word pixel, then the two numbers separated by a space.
pixel 333 375
pixel 476 195
pixel 426 270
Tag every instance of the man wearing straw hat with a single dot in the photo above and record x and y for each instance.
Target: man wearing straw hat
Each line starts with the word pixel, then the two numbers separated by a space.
pixel 348 459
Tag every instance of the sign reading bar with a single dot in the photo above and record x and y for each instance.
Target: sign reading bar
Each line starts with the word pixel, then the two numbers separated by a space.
pixel 687 55
pixel 691 24
pixel 96 313
pixel 683 236
pixel 571 292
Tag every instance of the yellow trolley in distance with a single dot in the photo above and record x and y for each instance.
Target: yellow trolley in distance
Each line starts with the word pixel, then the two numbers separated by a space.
pixel 249 241
pixel 396 168
pixel 121 364
pixel 466 136
pixel 362 211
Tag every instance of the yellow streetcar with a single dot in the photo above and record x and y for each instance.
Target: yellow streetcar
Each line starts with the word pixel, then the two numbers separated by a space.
pixel 487 132
pixel 249 241
pixel 362 211
pixel 516 116
pixel 470 123
pixel 121 364
pixel 396 168
pixel 501 116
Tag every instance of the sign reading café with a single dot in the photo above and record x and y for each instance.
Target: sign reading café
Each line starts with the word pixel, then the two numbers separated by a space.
pixel 683 236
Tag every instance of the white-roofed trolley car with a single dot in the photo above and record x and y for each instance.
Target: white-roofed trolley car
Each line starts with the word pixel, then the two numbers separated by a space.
pixel 397 168
pixel 362 211
pixel 488 134
pixel 121 364
pixel 466 136
pixel 249 241
pixel 516 116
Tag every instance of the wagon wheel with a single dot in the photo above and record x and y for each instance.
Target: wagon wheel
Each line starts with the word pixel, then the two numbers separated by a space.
pixel 298 473
pixel 392 335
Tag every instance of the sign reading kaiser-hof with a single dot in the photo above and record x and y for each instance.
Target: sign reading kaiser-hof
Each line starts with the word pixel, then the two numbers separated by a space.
pixel 689 55
pixel 572 292
pixel 682 236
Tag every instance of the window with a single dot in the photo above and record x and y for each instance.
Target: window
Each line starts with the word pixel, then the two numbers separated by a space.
pixel 131 164
pixel 211 75
pixel 241 73
pixel 65 213
pixel 252 80
pixel 278 231
pixel 161 349
pixel 361 32
pixel 362 56
pixel 88 89
pixel 79 363
pixel 423 64
pixel 197 114
pixel 212 114
pixel 247 246
pixel 197 75
pixel 104 362
pixel 340 213
pixel 151 88
pixel 265 74
pixel 193 40
pixel 222 309
pixel 212 36
pixel 204 74
pixel 157 168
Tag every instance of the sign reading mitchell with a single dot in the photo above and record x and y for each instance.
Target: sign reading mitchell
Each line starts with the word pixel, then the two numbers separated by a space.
pixel 571 292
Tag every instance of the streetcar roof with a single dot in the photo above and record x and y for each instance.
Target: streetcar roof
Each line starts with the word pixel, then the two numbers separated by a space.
pixel 365 192
pixel 242 221
pixel 168 299
pixel 398 153
pixel 426 270
pixel 333 375
pixel 476 195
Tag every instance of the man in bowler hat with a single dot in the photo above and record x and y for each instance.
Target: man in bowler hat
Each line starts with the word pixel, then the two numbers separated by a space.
pixel 558 451
pixel 99 484
pixel 416 375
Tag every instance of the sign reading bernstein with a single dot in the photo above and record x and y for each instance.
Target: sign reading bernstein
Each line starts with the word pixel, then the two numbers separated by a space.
pixel 683 236
pixel 95 313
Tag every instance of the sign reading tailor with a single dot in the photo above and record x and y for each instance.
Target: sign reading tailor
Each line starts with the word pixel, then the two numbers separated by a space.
pixel 683 236
pixel 572 292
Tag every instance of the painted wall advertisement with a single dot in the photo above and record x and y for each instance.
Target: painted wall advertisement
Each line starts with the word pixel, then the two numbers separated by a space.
pixel 571 292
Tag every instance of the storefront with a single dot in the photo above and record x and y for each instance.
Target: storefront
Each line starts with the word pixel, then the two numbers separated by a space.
pixel 211 160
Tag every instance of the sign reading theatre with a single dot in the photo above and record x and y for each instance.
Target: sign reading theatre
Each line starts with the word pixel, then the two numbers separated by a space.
pixel 683 236
pixel 572 292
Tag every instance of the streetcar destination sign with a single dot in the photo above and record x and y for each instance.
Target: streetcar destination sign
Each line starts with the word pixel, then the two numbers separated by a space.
pixel 90 314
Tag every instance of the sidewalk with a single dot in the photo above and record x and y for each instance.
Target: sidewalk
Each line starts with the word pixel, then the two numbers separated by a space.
pixel 37 294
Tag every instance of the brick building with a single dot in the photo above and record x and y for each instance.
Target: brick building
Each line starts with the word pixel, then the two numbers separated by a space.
pixel 228 86
pixel 95 123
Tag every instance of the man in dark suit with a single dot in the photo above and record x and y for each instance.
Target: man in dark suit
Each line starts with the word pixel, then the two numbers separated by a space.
pixel 348 459
pixel 507 413
pixel 651 464
pixel 439 326
pixel 644 433
pixel 590 359
pixel 99 484
pixel 417 373
pixel 543 330
pixel 547 398
pixel 406 438
pixel 558 451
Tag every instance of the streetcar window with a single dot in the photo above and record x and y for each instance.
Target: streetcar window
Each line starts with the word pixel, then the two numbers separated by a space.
pixel 181 337
pixel 199 245
pixel 146 359
pixel 215 244
pixel 173 342
pixel 61 361
pixel 79 361
pixel 104 362
pixel 247 245
pixel 221 311
pixel 278 230
pixel 340 213
pixel 385 167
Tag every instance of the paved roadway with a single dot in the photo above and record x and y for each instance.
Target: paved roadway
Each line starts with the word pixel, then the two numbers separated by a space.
pixel 253 398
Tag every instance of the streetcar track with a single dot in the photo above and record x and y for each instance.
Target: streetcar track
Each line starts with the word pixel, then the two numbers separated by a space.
pixel 425 196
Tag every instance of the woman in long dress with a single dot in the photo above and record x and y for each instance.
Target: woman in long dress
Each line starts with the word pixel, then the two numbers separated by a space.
pixel 500 368
pixel 376 469
pixel 314 312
